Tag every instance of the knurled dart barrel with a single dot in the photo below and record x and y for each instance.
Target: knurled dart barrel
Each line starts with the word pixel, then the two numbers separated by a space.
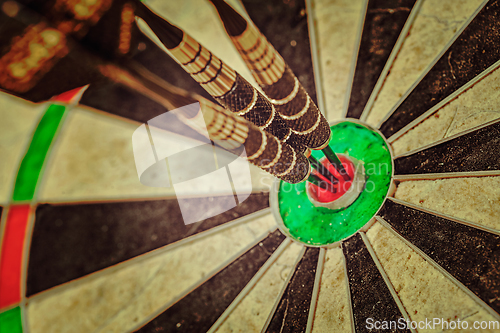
pixel 232 90
pixel 278 82
pixel 298 110
pixel 262 148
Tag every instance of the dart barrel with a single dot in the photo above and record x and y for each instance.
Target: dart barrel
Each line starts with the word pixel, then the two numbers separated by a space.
pixel 232 90
pixel 226 129
pixel 284 90
pixel 262 149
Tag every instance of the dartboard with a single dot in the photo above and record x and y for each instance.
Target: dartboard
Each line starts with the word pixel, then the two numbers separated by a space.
pixel 85 247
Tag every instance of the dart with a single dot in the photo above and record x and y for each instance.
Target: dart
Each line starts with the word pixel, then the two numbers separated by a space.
pixel 279 83
pixel 218 79
pixel 228 130
pixel 322 169
pixel 313 179
pixel 335 161
pixel 223 83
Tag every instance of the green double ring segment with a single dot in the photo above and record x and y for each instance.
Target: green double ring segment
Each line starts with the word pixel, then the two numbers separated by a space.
pixel 318 226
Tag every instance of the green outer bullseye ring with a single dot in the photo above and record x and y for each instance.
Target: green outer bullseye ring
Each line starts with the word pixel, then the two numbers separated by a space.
pixel 318 226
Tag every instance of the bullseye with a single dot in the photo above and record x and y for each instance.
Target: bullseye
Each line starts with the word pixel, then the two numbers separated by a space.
pixel 327 212
pixel 333 191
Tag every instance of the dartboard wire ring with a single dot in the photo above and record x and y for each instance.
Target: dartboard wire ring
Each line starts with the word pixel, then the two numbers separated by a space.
pixel 275 188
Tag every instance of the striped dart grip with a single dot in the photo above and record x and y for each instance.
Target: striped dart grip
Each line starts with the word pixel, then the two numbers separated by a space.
pixel 248 102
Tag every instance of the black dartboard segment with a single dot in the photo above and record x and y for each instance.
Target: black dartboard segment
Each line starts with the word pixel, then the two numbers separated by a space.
pixel 70 241
pixel 471 255
pixel 472 52
pixel 284 23
pixel 384 21
pixel 73 240
pixel 199 310
pixel 121 101
pixel 116 99
pixel 478 150
pixel 293 309
pixel 370 296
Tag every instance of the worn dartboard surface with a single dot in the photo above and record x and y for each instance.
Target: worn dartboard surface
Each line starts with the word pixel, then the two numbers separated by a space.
pixel 87 248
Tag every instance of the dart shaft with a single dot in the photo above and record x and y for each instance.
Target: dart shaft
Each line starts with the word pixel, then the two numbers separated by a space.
pixel 313 179
pixel 322 170
pixel 334 160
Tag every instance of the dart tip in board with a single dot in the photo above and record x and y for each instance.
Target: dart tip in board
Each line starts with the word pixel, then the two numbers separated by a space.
pixel 324 194
pixel 322 170
pixel 335 161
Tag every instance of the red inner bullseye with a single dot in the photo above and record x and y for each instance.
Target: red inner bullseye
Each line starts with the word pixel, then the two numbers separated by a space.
pixel 322 195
